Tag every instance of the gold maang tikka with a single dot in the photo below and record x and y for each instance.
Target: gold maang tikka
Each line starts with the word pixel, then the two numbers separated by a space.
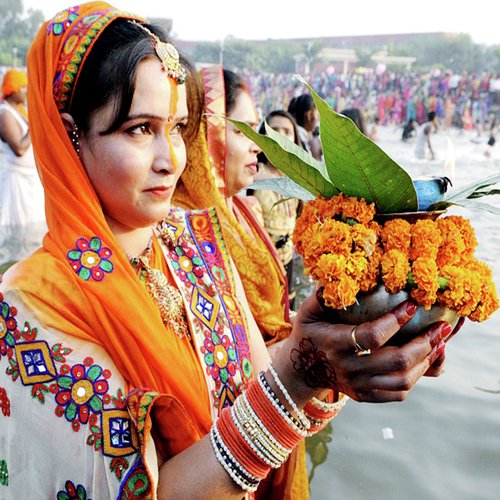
pixel 167 54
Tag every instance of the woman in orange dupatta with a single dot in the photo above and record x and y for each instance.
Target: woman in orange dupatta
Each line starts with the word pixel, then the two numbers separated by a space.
pixel 129 357
pixel 206 183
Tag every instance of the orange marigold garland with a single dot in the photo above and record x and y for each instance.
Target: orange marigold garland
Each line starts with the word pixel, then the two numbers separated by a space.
pixel 348 252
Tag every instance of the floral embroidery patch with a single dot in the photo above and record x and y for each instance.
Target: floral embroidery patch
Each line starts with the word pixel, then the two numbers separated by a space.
pixel 81 391
pixel 220 356
pixel 90 259
pixel 72 492
pixel 62 21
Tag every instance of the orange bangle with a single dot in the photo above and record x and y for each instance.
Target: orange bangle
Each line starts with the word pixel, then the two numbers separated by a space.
pixel 240 449
pixel 270 417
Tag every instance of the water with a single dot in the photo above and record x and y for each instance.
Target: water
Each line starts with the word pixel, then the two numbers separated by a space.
pixel 446 442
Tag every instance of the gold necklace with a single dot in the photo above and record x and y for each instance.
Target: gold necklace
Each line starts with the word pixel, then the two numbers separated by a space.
pixel 166 296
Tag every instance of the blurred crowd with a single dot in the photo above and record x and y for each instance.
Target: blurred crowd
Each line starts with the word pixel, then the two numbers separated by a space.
pixel 463 100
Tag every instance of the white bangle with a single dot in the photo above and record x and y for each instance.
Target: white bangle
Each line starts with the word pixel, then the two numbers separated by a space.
pixel 300 414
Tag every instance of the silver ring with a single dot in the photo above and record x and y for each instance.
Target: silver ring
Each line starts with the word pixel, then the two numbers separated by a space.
pixel 358 349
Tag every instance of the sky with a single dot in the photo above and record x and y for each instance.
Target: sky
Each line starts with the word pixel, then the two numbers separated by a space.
pixel 262 19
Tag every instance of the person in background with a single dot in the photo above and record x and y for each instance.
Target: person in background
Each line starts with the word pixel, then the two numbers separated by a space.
pixel 423 146
pixel 279 211
pixel 22 214
pixel 357 117
pixel 222 162
pixel 303 109
pixel 375 129
pixel 408 130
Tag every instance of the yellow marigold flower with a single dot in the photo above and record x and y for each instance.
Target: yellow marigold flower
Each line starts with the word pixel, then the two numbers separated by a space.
pixel 480 268
pixel 329 267
pixel 370 278
pixel 458 241
pixel 328 208
pixel 340 294
pixel 488 303
pixel 425 239
pixel 463 291
pixel 353 208
pixel 364 238
pixel 329 237
pixel 356 265
pixel 376 227
pixel 396 235
pixel 395 268
pixel 425 276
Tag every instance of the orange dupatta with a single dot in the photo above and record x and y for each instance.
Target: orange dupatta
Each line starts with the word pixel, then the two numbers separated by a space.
pixel 202 185
pixel 110 307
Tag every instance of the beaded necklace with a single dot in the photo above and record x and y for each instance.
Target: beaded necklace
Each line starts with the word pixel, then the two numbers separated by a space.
pixel 166 296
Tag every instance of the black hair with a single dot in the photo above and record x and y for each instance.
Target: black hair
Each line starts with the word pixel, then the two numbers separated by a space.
pixel 431 115
pixel 299 106
pixel 261 157
pixel 356 116
pixel 233 86
pixel 109 74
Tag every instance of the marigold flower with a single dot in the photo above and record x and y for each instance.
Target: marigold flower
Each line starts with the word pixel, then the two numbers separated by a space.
pixel 370 278
pixel 364 238
pixel 329 267
pixel 425 239
pixel 488 303
pixel 395 268
pixel 340 294
pixel 458 241
pixel 356 265
pixel 352 208
pixel 425 276
pixel 396 235
pixel 348 257
pixel 463 291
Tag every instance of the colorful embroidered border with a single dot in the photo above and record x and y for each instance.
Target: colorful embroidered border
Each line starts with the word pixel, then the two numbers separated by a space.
pixel 81 36
pixel 205 229
pixel 80 391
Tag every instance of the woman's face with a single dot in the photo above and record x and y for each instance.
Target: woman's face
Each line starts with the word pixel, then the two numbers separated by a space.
pixel 283 125
pixel 134 170
pixel 241 152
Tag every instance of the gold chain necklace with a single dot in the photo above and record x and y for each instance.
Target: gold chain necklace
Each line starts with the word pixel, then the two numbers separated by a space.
pixel 166 296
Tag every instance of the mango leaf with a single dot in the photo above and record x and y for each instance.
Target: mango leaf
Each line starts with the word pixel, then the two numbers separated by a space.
pixel 358 167
pixel 468 195
pixel 284 186
pixel 291 159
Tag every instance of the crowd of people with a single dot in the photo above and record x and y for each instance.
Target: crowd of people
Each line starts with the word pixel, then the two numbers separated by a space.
pixel 462 100
pixel 152 333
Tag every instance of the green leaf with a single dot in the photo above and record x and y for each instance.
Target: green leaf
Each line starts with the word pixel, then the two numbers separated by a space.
pixel 358 167
pixel 291 159
pixel 284 186
pixel 468 195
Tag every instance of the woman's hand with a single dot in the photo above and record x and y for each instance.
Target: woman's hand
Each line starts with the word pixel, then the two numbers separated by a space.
pixel 320 354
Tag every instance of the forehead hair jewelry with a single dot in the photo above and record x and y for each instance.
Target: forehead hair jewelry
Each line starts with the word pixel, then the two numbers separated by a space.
pixel 167 54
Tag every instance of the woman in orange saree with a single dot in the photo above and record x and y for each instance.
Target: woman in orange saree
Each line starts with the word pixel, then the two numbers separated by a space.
pixel 206 183
pixel 128 354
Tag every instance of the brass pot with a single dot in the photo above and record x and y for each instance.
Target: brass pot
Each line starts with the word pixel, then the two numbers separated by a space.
pixel 376 303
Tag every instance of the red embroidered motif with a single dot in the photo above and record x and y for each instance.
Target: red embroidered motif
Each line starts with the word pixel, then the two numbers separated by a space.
pixel 4 402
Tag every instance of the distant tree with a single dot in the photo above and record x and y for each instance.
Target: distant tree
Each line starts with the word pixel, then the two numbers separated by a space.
pixel 17 31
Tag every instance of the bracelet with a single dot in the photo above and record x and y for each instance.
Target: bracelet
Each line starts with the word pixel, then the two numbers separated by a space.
pixel 300 414
pixel 233 469
pixel 280 407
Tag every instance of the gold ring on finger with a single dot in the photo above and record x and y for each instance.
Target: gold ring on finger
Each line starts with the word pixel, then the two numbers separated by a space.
pixel 358 349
